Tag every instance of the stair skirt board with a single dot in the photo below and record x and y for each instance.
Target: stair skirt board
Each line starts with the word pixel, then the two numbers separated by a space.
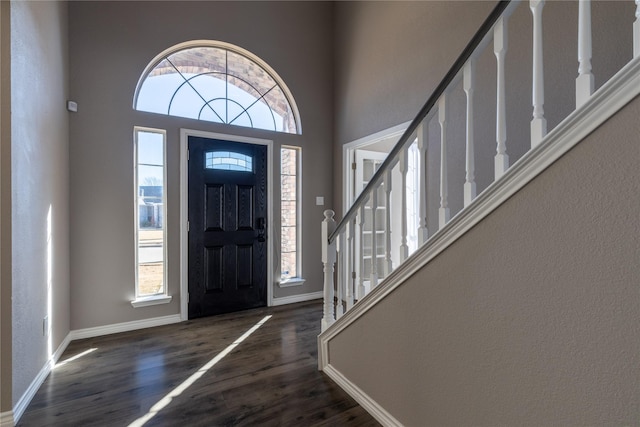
pixel 370 405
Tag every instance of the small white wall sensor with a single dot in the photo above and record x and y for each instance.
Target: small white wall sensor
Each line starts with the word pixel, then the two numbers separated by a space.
pixel 72 106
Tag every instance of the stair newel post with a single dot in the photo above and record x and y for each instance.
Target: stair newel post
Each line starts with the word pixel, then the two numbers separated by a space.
pixel 636 32
pixel 500 45
pixel 387 229
pixel 404 167
pixel 350 268
pixel 584 81
pixel 360 258
pixel 468 86
pixel 443 213
pixel 328 261
pixel 340 275
pixel 374 235
pixel 423 143
pixel 538 123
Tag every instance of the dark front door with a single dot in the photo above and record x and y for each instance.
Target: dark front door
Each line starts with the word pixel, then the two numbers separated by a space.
pixel 227 226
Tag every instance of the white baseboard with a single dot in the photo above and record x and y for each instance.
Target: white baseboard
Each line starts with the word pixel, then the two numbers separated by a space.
pixel 31 391
pixel 363 399
pixel 6 419
pixel 97 331
pixel 297 298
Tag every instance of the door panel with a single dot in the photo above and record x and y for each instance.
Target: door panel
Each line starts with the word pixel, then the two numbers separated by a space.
pixel 227 218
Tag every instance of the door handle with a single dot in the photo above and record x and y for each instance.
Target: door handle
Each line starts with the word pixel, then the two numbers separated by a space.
pixel 260 226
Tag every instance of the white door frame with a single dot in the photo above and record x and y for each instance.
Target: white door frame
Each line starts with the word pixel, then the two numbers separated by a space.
pixel 184 210
pixel 348 157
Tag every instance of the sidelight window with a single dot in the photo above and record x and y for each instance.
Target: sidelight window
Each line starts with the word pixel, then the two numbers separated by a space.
pixel 290 215
pixel 150 217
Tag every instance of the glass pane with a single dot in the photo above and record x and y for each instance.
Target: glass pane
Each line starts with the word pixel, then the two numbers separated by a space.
pixel 150 148
pixel 150 210
pixel 228 160
pixel 289 212
pixel 192 82
pixel 244 68
pixel 285 120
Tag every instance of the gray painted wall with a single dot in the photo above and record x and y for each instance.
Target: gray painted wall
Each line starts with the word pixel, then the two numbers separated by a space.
pixel 531 318
pixel 5 209
pixel 39 176
pixel 390 56
pixel 110 45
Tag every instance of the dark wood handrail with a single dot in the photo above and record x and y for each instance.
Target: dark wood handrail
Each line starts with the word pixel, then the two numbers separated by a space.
pixel 475 41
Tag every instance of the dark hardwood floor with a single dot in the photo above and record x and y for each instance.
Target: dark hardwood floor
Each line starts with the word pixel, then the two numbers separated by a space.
pixel 269 379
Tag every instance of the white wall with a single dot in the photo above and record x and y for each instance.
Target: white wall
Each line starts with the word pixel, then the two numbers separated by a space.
pixel 39 162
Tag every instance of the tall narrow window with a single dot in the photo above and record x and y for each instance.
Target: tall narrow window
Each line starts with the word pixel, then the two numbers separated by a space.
pixel 150 214
pixel 290 212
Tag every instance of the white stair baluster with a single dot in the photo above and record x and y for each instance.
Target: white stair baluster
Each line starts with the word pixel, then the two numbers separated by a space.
pixel 443 216
pixel 404 167
pixel 360 259
pixel 374 238
pixel 584 81
pixel 538 123
pixel 350 268
pixel 468 86
pixel 423 143
pixel 328 260
pixel 387 229
pixel 500 44
pixel 340 276
pixel 636 32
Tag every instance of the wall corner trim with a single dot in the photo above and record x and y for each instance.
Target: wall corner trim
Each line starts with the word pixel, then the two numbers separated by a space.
pixel 31 391
pixel 363 399
pixel 115 328
pixel 297 298
pixel 6 419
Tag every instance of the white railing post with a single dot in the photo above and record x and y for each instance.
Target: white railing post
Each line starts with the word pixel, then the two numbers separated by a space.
pixel 468 86
pixel 340 276
pixel 387 230
pixel 538 123
pixel 636 32
pixel 443 213
pixel 423 144
pixel 500 44
pixel 374 238
pixel 328 261
pixel 350 269
pixel 404 168
pixel 361 289
pixel 584 81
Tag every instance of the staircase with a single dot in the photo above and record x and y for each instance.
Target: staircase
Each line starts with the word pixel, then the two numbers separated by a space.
pixel 389 328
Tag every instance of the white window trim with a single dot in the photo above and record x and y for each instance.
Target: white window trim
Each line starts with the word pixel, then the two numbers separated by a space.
pixel 184 201
pixel 164 297
pixel 298 280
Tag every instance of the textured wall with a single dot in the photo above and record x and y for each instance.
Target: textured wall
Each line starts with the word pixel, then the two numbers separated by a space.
pixel 39 162
pixel 531 318
pixel 5 209
pixel 110 45
pixel 390 56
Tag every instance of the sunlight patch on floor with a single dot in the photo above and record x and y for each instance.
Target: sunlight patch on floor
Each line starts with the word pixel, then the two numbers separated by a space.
pixel 162 403
pixel 76 357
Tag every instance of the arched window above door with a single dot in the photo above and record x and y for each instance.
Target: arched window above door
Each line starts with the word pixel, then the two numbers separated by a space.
pixel 217 82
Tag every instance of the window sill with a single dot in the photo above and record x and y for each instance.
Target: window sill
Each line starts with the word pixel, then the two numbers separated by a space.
pixel 151 300
pixel 294 281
